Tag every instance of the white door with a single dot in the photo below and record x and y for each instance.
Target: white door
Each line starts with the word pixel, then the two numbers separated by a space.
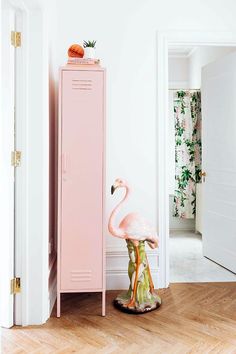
pixel 219 161
pixel 7 97
pixel 12 181
pixel 20 174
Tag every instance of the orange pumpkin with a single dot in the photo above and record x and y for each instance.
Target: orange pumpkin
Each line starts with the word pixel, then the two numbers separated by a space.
pixel 76 51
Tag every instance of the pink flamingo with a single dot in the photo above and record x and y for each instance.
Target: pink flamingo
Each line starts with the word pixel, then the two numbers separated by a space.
pixel 133 228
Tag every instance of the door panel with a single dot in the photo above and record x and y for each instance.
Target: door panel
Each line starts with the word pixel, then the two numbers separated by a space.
pixel 82 180
pixel 7 171
pixel 219 161
pixel 20 172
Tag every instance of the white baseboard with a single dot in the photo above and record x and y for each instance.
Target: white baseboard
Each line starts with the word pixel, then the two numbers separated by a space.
pixel 117 260
pixel 190 229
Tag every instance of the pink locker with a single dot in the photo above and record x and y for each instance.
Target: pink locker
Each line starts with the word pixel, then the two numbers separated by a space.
pixel 81 174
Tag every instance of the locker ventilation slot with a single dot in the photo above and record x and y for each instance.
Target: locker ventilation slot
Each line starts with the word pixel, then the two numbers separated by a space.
pixel 81 276
pixel 85 85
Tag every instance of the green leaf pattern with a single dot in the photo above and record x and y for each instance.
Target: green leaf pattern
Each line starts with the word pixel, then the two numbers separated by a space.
pixel 188 151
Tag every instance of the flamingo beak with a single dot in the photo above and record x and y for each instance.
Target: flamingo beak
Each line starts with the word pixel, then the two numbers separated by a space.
pixel 112 189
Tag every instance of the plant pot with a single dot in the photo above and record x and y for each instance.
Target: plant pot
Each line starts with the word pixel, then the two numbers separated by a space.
pixel 89 53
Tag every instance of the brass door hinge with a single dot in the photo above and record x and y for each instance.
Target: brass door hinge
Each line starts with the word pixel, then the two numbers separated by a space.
pixel 16 39
pixel 16 158
pixel 15 286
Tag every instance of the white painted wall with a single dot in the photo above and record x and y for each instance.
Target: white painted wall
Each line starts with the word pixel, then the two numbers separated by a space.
pixel 53 72
pixel 41 24
pixel 126 35
pixel 203 56
pixel 178 72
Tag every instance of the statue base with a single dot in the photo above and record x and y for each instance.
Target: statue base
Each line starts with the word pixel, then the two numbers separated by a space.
pixel 122 300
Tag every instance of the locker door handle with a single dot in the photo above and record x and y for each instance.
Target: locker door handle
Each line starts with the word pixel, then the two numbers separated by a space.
pixel 63 163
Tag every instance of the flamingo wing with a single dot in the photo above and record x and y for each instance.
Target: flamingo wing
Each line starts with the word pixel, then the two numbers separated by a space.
pixel 137 228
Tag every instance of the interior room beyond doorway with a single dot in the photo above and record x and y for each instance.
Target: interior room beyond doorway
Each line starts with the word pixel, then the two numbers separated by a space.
pixel 187 263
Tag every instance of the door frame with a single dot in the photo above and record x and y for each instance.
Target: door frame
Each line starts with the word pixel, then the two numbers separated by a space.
pixel 163 40
pixel 32 245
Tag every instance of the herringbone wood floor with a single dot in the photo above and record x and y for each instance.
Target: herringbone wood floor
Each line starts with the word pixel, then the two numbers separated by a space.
pixel 194 318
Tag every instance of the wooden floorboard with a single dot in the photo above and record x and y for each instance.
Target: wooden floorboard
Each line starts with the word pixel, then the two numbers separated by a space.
pixel 194 318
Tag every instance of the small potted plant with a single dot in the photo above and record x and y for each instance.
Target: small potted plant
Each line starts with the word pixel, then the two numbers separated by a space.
pixel 89 49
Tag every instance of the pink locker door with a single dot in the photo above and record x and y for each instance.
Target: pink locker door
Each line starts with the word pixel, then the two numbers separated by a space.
pixel 82 180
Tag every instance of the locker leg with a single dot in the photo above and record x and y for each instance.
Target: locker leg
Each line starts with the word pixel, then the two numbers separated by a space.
pixel 58 305
pixel 104 303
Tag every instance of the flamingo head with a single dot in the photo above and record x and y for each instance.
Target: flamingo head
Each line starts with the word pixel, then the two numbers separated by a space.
pixel 119 183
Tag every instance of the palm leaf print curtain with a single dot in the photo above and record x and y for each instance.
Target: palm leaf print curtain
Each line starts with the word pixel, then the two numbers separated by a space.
pixel 187 115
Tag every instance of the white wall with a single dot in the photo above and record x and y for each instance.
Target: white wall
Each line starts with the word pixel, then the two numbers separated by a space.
pixel 126 43
pixel 51 14
pixel 35 296
pixel 178 71
pixel 203 56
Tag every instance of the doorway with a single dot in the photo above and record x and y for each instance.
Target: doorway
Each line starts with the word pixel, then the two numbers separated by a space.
pixel 180 44
pixel 186 183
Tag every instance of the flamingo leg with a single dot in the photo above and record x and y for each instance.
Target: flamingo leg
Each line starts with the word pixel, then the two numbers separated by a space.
pixel 150 279
pixel 132 300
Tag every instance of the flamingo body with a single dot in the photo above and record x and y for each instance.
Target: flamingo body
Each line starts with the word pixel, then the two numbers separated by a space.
pixel 136 228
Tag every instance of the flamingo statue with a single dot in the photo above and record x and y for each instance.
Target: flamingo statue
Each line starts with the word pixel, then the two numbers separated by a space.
pixel 141 296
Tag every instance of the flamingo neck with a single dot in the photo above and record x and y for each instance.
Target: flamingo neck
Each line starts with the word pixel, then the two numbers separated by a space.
pixel 116 231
